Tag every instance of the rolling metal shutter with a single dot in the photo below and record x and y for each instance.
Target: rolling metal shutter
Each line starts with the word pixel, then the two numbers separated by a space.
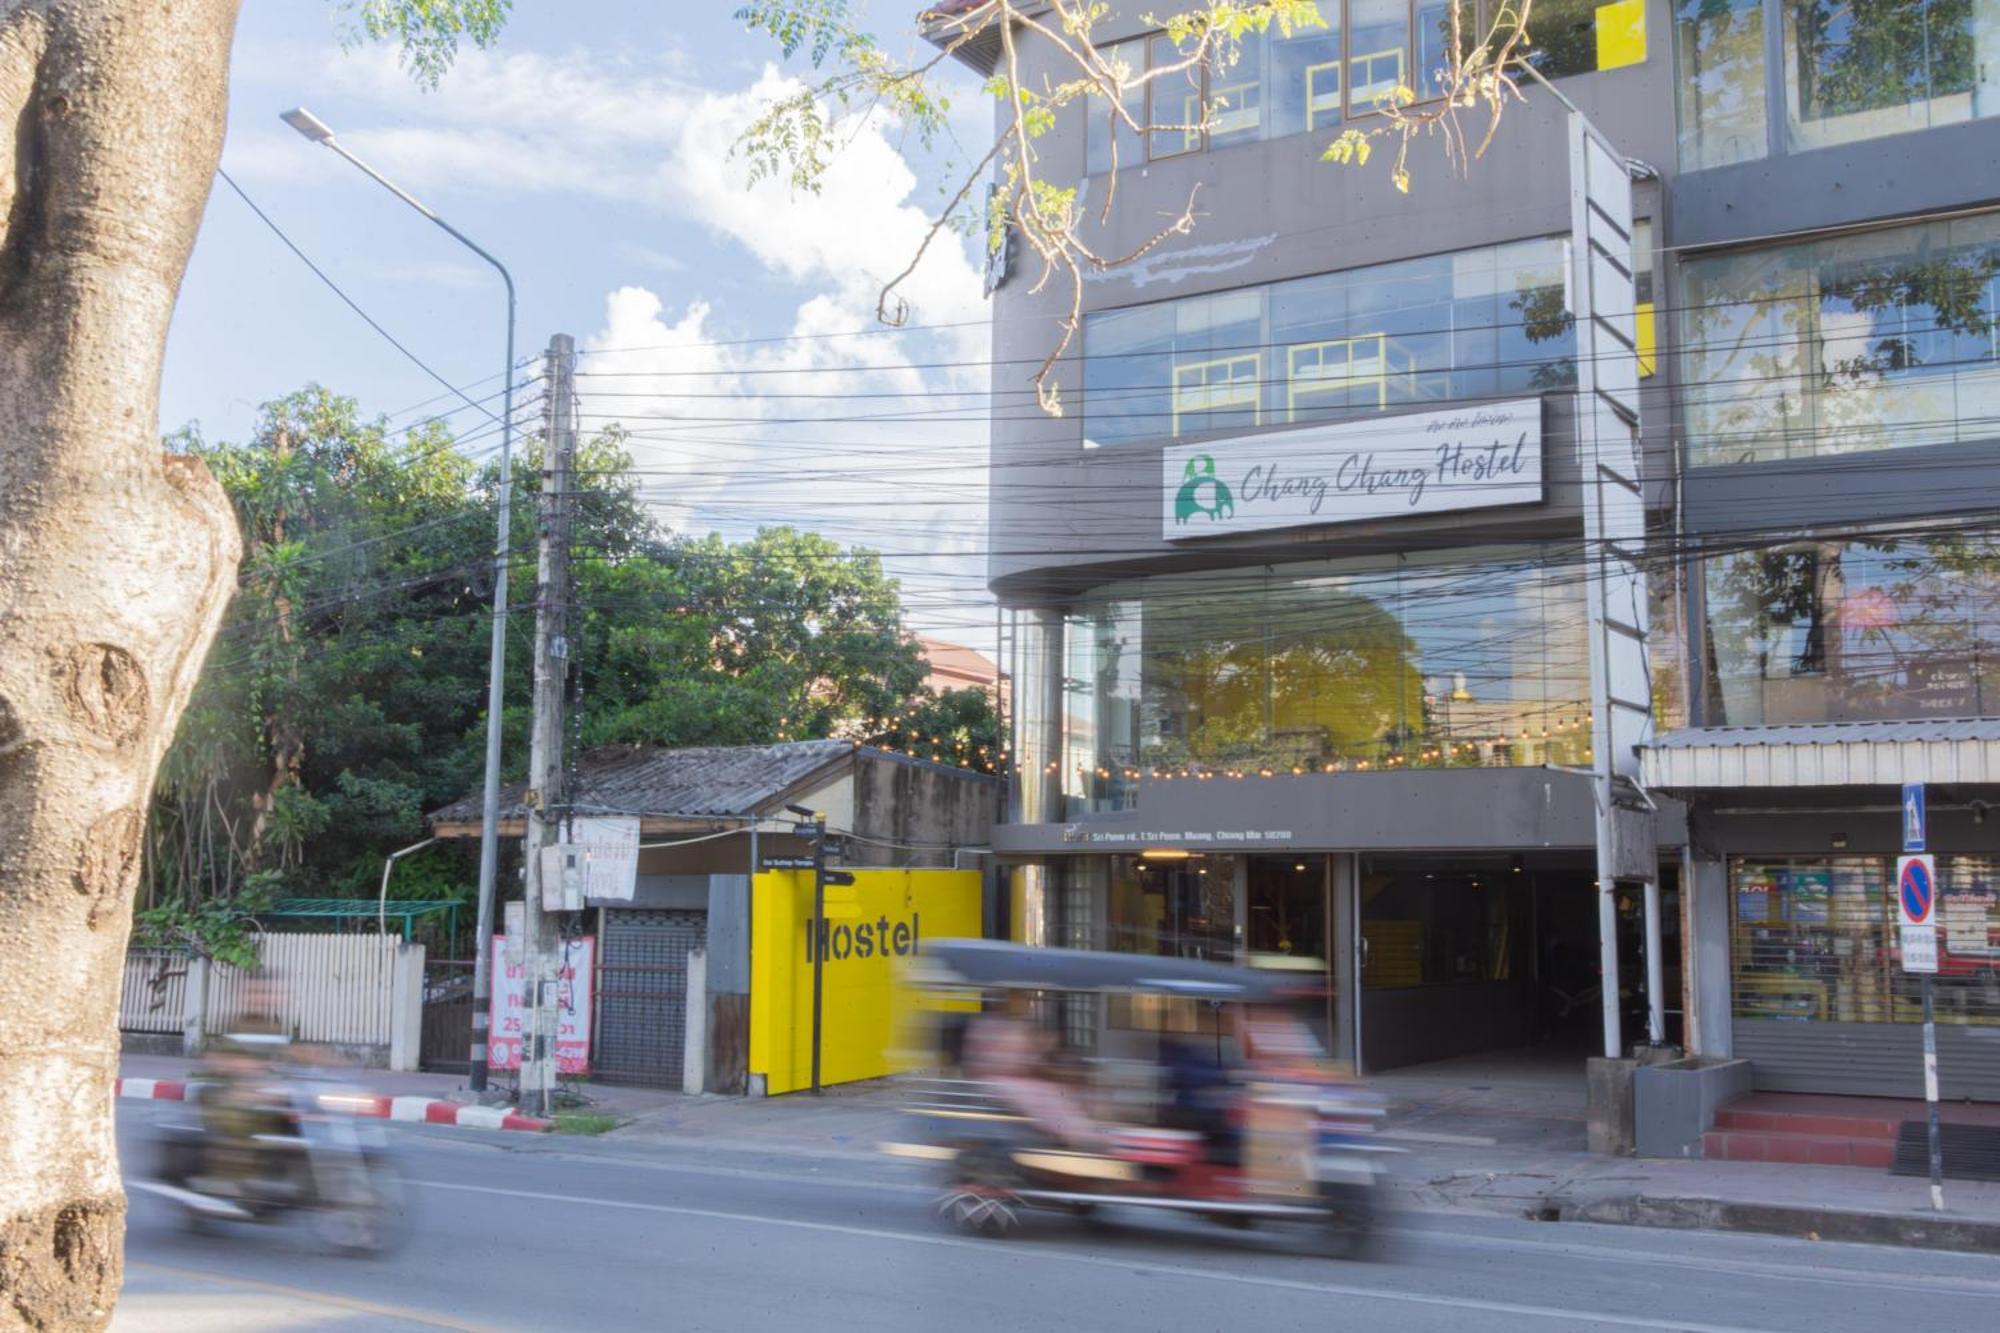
pixel 642 994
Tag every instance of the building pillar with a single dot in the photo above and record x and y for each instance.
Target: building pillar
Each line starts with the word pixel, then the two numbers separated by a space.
pixel 1345 975
pixel 1038 716
pixel 1705 953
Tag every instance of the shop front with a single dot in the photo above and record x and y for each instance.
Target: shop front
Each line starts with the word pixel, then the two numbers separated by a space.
pixel 1426 955
pixel 1836 669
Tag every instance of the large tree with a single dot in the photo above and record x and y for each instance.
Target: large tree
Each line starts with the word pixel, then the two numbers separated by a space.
pixel 343 698
pixel 118 563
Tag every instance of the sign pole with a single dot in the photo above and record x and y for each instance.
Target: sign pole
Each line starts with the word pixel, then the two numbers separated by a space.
pixel 819 936
pixel 1916 902
pixel 1931 1096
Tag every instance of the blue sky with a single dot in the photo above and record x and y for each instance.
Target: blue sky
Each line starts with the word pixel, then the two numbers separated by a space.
pixel 590 152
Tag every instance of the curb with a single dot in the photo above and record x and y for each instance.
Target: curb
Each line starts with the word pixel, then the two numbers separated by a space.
pixel 418 1110
pixel 1918 1230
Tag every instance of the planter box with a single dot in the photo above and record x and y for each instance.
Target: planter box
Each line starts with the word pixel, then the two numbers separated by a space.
pixel 1674 1104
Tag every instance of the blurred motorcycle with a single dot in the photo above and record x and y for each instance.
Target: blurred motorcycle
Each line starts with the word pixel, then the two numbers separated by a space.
pixel 309 1155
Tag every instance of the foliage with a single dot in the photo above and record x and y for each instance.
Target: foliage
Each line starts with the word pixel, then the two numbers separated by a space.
pixel 344 698
pixel 1049 67
pixel 426 31
pixel 217 928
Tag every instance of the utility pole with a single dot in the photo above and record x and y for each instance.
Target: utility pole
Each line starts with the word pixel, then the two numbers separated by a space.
pixel 819 936
pixel 541 950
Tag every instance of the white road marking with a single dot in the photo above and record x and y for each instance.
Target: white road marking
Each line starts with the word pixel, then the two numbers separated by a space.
pixel 1123 1265
pixel 409 1108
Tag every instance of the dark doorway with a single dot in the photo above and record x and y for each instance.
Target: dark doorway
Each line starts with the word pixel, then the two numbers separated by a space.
pixel 1289 901
pixel 1466 954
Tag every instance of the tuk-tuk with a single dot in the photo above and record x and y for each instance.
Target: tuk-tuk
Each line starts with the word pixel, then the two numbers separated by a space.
pixel 1209 1093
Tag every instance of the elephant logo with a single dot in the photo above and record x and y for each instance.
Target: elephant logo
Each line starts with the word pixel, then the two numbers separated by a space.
pixel 1202 492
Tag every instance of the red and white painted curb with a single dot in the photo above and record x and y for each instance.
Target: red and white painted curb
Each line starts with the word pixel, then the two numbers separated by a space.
pixel 422 1110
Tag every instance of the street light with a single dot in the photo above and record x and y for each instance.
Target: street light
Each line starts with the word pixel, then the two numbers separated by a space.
pixel 317 131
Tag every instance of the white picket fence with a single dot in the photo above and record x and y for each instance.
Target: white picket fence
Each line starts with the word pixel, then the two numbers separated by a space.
pixel 154 998
pixel 336 989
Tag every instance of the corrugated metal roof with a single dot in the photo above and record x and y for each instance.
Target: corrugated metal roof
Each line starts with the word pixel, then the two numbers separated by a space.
pixel 1816 733
pixel 1826 754
pixel 714 780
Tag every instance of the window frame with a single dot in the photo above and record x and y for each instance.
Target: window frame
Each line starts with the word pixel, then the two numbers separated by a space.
pixel 1317 117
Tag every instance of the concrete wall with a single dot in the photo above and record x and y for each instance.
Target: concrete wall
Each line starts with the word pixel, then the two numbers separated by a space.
pixel 918 805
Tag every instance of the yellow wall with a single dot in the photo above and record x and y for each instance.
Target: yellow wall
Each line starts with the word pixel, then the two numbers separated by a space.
pixel 859 1010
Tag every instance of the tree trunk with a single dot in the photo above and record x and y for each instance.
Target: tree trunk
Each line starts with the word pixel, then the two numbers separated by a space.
pixel 115 566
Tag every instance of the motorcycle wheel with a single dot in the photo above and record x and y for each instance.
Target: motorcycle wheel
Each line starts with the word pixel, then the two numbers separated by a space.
pixel 374 1222
pixel 1349 1230
pixel 977 1199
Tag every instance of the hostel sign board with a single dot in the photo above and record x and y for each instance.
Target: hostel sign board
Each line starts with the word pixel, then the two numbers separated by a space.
pixel 873 927
pixel 1350 471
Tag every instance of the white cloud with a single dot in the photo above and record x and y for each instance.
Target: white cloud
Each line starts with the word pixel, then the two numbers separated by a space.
pixel 840 433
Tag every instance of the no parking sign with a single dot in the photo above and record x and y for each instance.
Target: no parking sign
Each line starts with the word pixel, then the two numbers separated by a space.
pixel 1916 909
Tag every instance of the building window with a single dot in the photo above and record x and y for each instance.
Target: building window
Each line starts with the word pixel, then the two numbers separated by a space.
pixel 1645 333
pixel 1333 666
pixel 1861 69
pixel 1317 78
pixel 1858 630
pixel 1870 341
pixel 1579 36
pixel 1816 941
pixel 1485 323
pixel 1101 689
pixel 1721 86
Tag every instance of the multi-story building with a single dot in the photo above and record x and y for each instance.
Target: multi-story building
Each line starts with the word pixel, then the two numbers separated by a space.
pixel 1300 639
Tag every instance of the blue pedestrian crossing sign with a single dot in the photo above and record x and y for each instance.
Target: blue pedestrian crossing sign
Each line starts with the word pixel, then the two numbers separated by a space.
pixel 1913 816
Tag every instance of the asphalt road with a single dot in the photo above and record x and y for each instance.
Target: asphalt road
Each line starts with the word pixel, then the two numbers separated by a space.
pixel 520 1232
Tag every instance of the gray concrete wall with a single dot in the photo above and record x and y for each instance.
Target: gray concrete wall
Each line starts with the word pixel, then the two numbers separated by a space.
pixel 918 806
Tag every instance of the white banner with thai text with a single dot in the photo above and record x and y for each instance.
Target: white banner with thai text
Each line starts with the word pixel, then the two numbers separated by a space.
pixel 607 854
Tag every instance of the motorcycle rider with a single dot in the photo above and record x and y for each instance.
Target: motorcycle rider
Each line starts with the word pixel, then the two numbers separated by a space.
pixel 238 1103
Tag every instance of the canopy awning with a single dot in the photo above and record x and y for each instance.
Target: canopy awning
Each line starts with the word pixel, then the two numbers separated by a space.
pixel 1826 754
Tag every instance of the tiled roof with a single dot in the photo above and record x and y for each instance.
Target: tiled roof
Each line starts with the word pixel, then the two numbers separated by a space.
pixel 700 781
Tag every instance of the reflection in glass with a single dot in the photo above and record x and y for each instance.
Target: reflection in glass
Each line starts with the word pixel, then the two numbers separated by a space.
pixel 1859 69
pixel 1329 667
pixel 1881 340
pixel 1378 52
pixel 1482 323
pixel 1102 128
pixel 1721 49
pixel 1855 631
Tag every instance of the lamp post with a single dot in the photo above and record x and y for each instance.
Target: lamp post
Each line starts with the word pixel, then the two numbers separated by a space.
pixel 316 130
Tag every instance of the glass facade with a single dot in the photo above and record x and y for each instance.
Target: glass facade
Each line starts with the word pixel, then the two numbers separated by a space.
pixel 1848 70
pixel 1855 630
pixel 1860 69
pixel 1317 78
pixel 1720 44
pixel 1816 941
pixel 1869 341
pixel 1484 323
pixel 1479 658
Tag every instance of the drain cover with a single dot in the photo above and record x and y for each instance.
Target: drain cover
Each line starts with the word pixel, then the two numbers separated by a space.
pixel 1971 1152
